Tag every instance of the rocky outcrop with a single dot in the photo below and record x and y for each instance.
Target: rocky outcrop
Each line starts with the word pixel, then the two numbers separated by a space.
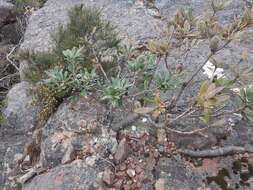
pixel 77 175
pixel 131 22
pixel 77 146
pixel 6 13
pixel 21 112
pixel 76 127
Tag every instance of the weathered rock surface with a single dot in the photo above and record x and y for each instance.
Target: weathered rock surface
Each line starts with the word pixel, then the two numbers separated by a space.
pixel 20 120
pixel 76 126
pixel 6 12
pixel 74 176
pixel 177 175
pixel 11 147
pixel 21 113
pixel 131 22
pixel 78 129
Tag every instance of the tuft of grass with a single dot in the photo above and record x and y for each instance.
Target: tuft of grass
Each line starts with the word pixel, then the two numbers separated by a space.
pixel 23 5
pixel 86 30
pixel 38 63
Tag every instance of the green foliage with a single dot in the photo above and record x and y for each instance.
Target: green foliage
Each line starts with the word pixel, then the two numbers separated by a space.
pixel 246 95
pixel 61 82
pixel 38 63
pixel 58 79
pixel 86 41
pixel 48 100
pixel 24 5
pixel 115 90
pixel 86 29
pixel 128 51
pixel 144 65
pixel 167 81
pixel 73 56
pixel 90 37
pixel 88 58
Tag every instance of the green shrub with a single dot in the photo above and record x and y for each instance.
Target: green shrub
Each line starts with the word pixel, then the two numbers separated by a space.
pixel 88 58
pixel 82 47
pixel 86 29
pixel 114 91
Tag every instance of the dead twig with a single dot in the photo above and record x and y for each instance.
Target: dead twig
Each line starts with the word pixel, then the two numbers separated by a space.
pixel 187 112
pixel 176 98
pixel 11 53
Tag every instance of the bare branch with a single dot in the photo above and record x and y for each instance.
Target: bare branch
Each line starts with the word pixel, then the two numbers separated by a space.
pixel 11 52
pixel 176 98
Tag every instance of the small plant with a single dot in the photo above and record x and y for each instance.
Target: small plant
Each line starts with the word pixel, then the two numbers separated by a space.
pixel 38 63
pixel 73 56
pixel 209 97
pixel 86 29
pixel 166 81
pixel 48 100
pixel 76 62
pixel 143 68
pixel 86 36
pixel 246 95
pixel 115 90
pixel 58 79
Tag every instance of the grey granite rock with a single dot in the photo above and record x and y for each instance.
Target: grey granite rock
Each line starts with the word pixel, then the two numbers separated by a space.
pixel 6 12
pixel 20 112
pixel 76 125
pixel 79 124
pixel 74 176
pixel 130 21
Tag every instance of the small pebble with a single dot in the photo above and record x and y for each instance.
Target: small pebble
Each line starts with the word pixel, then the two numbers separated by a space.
pixel 131 173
